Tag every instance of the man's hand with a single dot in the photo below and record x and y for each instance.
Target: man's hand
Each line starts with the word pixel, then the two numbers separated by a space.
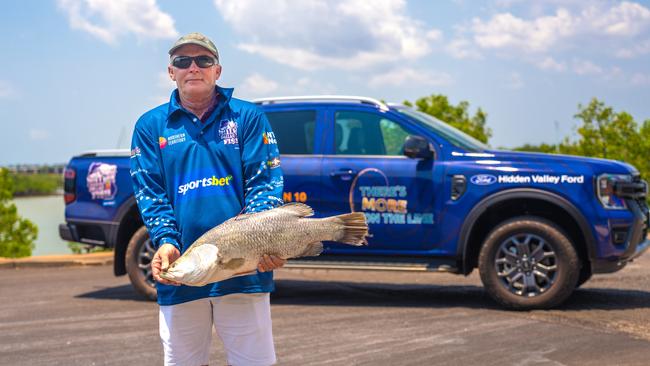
pixel 165 255
pixel 270 262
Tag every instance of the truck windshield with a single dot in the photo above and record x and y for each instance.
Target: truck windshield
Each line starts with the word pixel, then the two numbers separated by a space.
pixel 454 136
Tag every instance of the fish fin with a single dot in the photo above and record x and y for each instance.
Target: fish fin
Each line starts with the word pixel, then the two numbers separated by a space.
pixel 353 230
pixel 240 217
pixel 312 249
pixel 233 263
pixel 298 209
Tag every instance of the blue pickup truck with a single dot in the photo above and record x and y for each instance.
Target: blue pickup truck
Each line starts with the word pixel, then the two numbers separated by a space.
pixel 535 225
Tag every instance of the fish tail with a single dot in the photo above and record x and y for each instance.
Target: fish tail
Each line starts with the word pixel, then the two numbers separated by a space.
pixel 353 228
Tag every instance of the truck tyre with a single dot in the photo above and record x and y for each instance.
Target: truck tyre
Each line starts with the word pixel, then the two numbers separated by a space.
pixel 528 263
pixel 138 258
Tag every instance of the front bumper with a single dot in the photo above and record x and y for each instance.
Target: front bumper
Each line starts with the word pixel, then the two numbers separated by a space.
pixel 640 249
pixel 637 240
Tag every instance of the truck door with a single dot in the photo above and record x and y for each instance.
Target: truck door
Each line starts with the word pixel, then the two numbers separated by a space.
pixel 295 131
pixel 364 170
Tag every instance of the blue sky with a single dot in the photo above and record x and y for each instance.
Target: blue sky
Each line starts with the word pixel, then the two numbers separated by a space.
pixel 76 74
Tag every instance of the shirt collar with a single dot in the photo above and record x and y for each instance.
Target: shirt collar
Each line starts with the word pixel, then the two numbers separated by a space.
pixel 223 97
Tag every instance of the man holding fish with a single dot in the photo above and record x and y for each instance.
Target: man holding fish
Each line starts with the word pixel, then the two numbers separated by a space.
pixel 196 162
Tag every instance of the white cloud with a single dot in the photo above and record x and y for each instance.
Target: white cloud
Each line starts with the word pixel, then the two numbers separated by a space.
pixel 545 33
pixel 38 134
pixel 308 86
pixel 638 49
pixel 434 35
pixel 626 19
pixel 507 31
pixel 507 3
pixel 549 63
pixel 7 90
pixel 640 79
pixel 581 67
pixel 164 85
pixel 406 76
pixel 309 35
pixel 585 67
pixel 462 48
pixel 110 19
pixel 257 85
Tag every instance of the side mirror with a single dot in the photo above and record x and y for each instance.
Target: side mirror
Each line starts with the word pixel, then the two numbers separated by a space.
pixel 417 147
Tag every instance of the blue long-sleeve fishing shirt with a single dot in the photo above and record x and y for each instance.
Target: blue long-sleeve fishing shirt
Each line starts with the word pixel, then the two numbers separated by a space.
pixel 189 176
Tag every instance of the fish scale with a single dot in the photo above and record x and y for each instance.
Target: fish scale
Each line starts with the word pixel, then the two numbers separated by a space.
pixel 236 246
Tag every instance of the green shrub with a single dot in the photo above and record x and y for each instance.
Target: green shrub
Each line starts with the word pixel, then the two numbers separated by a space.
pixel 17 235
pixel 36 184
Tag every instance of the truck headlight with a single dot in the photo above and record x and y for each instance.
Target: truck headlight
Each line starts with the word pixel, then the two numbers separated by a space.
pixel 606 192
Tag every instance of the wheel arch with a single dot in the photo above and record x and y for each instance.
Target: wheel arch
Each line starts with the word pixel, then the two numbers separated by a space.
pixel 130 221
pixel 522 201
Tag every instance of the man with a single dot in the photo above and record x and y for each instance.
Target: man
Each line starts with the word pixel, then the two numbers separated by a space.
pixel 197 161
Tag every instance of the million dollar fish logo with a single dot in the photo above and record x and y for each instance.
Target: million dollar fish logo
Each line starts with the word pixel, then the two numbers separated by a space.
pixel 269 138
pixel 101 181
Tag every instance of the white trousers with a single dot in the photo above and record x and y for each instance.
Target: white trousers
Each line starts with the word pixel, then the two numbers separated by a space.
pixel 242 321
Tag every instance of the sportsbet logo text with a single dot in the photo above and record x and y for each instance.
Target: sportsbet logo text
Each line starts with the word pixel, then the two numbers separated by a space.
pixel 205 182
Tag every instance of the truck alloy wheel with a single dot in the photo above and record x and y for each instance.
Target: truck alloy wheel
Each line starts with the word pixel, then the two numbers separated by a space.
pixel 528 262
pixel 139 254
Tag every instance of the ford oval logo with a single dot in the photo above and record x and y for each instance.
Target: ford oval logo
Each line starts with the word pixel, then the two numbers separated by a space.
pixel 483 179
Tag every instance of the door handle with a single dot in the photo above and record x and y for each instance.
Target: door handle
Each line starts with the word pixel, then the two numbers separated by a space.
pixel 343 174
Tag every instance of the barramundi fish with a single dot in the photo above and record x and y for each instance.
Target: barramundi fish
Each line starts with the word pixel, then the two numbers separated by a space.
pixel 236 246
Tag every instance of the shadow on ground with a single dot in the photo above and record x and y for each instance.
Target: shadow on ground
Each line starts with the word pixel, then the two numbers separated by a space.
pixel 327 293
pixel 123 292
pixel 299 292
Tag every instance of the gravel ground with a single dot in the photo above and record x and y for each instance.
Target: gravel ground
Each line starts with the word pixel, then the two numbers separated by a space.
pixel 86 316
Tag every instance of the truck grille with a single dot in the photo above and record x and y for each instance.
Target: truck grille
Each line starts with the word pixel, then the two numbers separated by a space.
pixel 637 189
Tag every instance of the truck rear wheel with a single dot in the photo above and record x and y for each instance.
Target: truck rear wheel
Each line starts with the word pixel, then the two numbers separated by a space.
pixel 138 258
pixel 528 263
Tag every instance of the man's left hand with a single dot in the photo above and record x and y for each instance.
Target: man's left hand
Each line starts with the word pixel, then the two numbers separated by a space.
pixel 270 262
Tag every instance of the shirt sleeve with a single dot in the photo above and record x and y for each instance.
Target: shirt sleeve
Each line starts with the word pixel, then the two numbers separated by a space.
pixel 148 185
pixel 263 182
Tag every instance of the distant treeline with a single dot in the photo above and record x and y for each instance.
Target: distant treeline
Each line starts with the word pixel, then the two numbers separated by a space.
pixel 36 168
pixel 30 184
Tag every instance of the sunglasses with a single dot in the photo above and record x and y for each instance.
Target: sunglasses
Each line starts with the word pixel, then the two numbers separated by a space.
pixel 184 62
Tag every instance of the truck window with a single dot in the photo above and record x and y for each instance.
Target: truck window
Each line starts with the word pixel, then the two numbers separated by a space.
pixel 362 133
pixel 294 131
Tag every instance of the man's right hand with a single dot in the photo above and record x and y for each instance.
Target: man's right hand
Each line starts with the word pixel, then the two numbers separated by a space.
pixel 165 255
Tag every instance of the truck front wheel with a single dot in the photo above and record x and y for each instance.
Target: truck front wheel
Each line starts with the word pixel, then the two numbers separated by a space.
pixel 528 263
pixel 138 258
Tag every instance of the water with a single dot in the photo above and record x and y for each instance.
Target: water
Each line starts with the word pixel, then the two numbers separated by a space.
pixel 47 212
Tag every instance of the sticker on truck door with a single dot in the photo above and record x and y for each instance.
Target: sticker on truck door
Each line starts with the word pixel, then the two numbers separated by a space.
pixel 384 203
pixel 101 182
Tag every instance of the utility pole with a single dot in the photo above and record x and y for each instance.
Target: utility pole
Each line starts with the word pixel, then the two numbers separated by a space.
pixel 557 136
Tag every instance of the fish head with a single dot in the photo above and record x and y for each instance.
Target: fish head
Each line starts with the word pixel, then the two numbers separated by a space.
pixel 195 267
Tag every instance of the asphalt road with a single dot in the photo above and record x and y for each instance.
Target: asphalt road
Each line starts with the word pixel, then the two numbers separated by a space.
pixel 85 316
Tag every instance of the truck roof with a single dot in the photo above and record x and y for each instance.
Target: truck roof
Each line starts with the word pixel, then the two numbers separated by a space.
pixel 104 152
pixel 321 98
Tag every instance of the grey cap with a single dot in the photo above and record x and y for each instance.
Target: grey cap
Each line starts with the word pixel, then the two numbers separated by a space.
pixel 197 39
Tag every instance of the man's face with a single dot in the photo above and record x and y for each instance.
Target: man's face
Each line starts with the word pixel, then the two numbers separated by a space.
pixel 194 81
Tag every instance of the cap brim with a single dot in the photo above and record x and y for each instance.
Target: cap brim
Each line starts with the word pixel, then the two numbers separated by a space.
pixel 173 49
